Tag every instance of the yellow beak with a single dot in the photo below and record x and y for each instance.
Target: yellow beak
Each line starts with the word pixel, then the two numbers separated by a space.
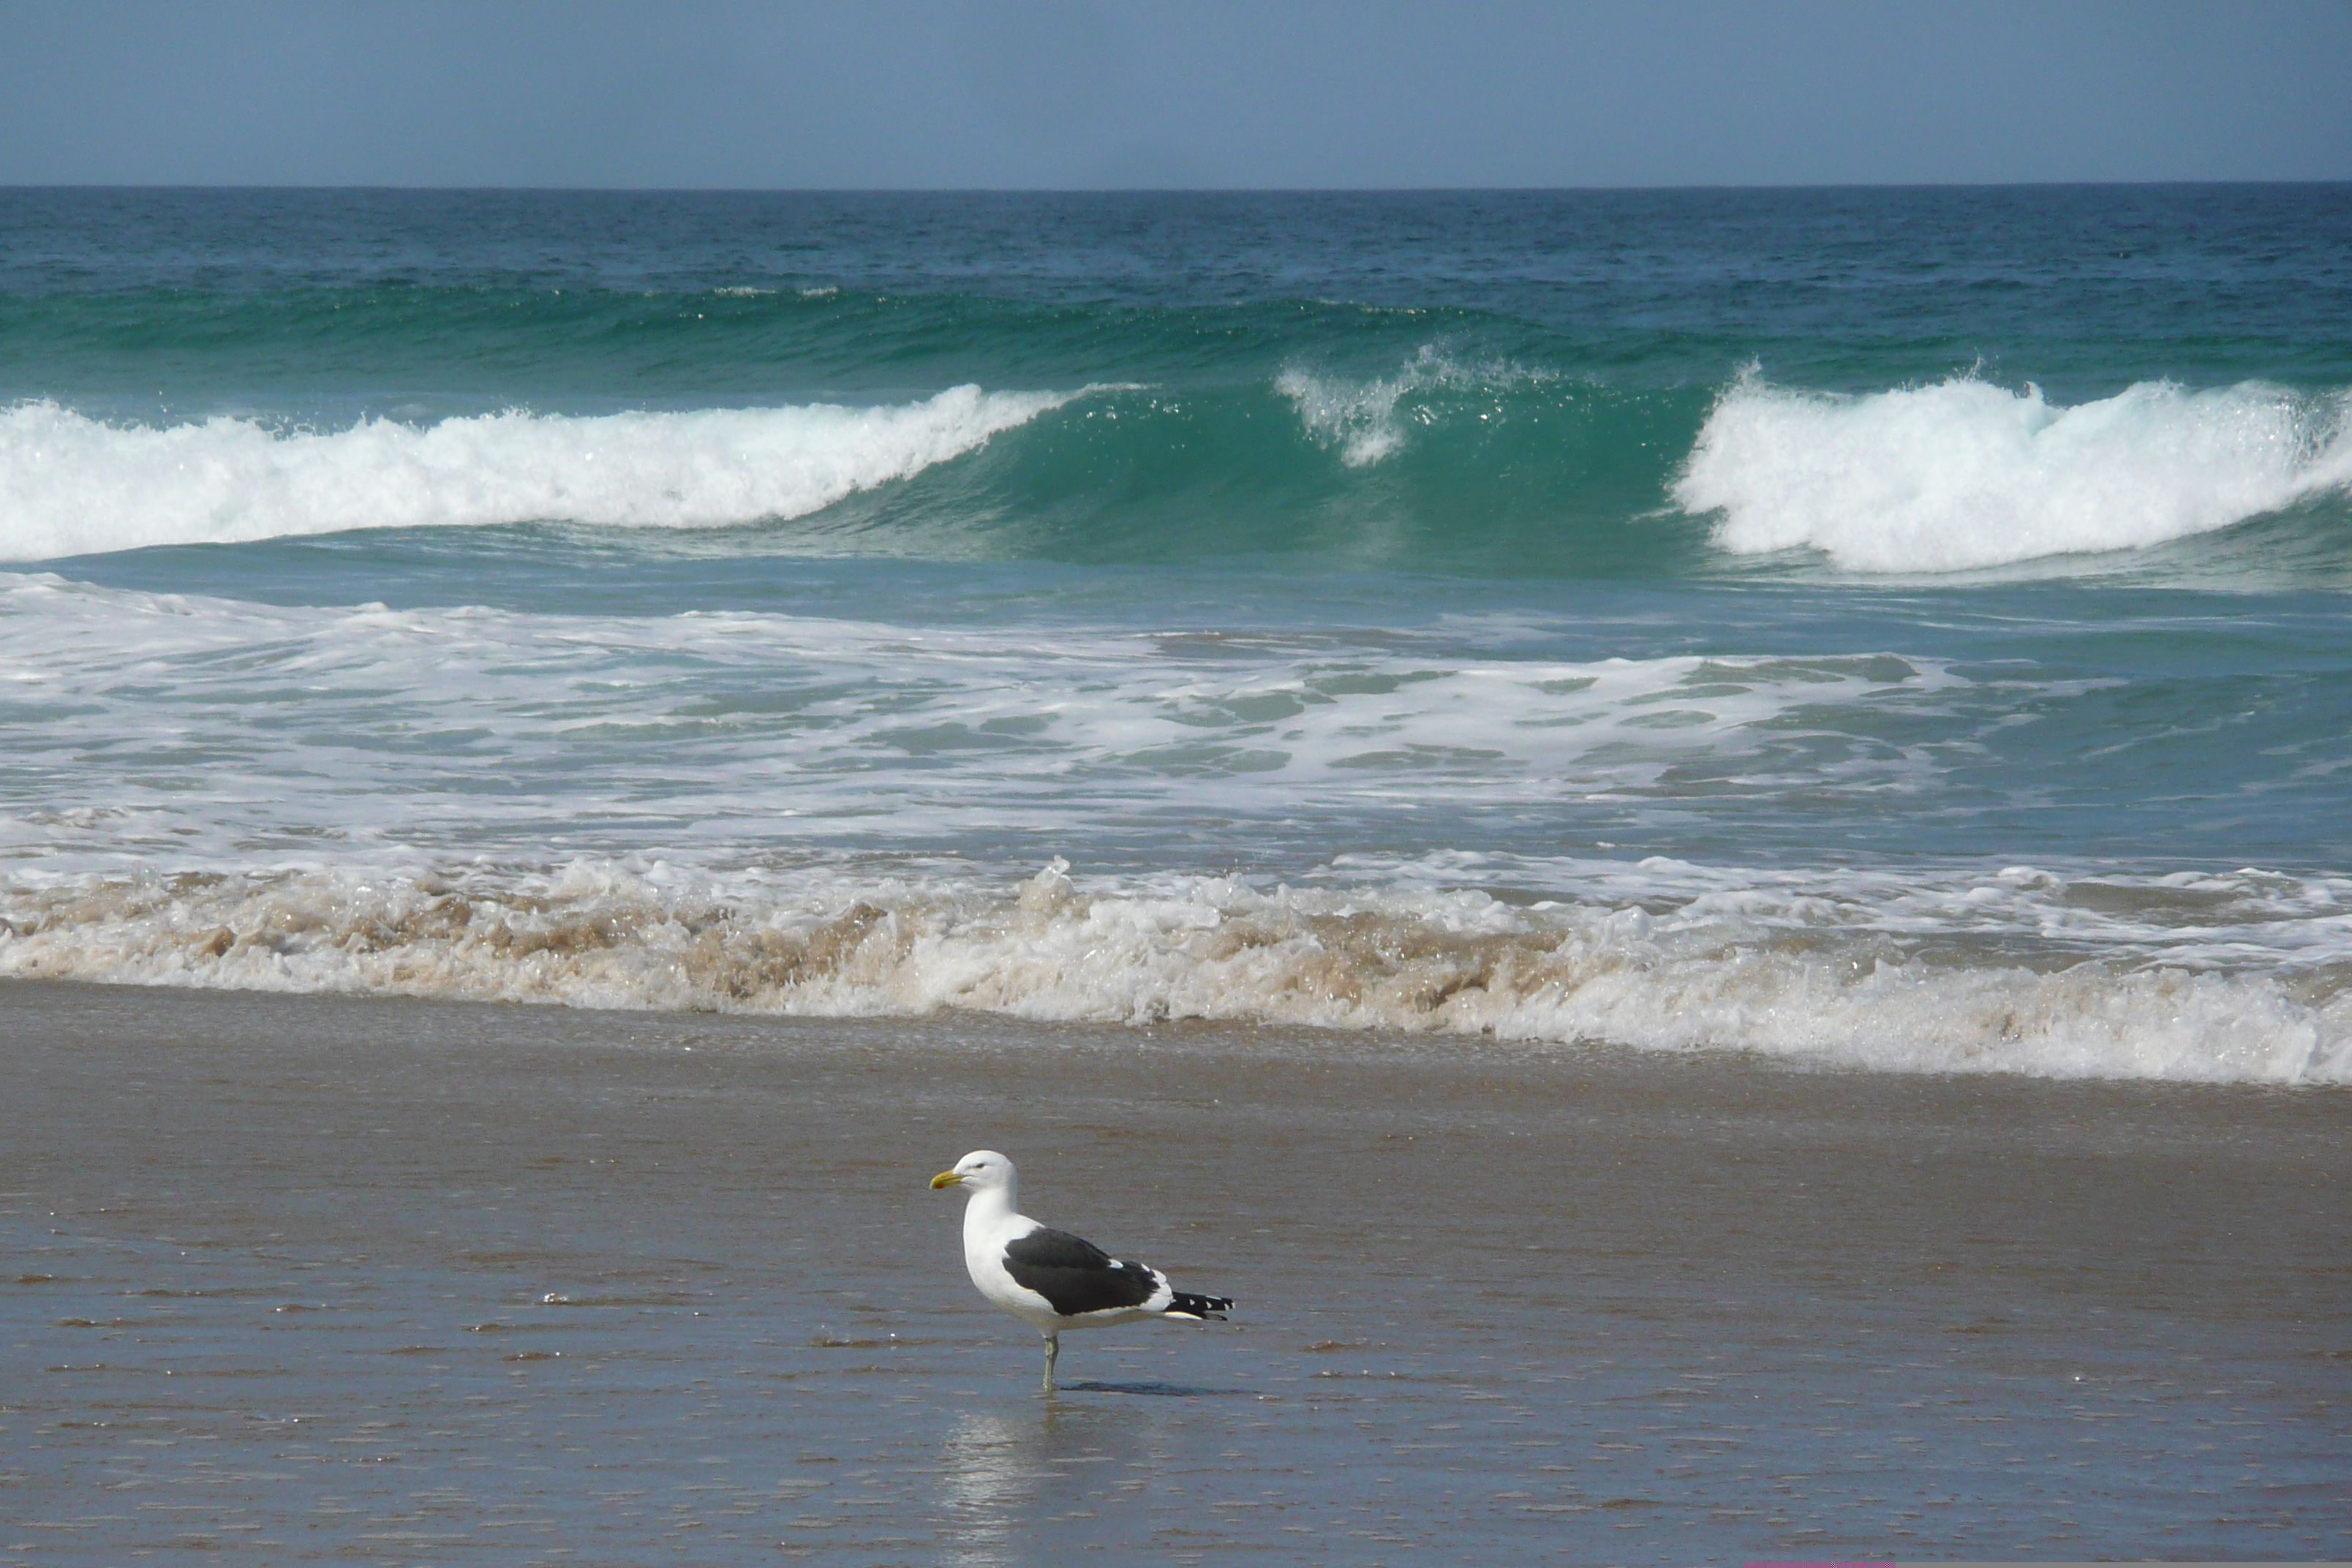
pixel 946 1179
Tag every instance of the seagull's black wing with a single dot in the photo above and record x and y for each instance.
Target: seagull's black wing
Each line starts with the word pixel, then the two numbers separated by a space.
pixel 1075 1275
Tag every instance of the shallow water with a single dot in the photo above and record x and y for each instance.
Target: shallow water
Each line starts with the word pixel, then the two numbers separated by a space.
pixel 281 1271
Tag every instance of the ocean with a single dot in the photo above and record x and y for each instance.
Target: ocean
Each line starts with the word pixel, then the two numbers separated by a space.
pixel 1903 630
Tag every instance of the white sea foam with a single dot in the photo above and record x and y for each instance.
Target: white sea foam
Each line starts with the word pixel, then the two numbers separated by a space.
pixel 467 802
pixel 724 734
pixel 1964 474
pixel 70 485
pixel 1367 420
pixel 1700 976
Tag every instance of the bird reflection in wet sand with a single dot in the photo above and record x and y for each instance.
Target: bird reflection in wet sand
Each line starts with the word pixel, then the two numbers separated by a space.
pixel 1004 1476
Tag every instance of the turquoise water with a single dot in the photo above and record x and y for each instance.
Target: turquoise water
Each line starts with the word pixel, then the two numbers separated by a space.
pixel 1903 628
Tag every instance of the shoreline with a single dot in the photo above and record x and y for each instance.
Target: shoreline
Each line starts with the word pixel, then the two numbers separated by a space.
pixel 1492 1300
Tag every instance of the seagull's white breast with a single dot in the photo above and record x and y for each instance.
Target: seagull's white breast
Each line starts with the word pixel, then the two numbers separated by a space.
pixel 985 1238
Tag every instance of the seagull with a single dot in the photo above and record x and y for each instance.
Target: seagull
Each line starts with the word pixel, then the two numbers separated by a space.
pixel 1049 1279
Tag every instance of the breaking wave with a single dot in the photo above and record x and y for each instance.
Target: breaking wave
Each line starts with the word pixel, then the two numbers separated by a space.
pixel 1964 474
pixel 1366 420
pixel 70 485
pixel 1705 974
pixel 1448 464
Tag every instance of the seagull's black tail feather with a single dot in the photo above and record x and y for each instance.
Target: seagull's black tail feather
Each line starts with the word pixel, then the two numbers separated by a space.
pixel 1207 1308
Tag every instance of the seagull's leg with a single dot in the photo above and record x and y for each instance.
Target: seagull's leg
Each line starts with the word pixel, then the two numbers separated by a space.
pixel 1053 1353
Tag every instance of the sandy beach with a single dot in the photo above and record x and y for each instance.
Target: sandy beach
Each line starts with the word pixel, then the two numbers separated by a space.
pixel 311 1278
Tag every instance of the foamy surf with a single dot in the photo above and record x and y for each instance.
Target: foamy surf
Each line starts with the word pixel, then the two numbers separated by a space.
pixel 70 485
pixel 727 733
pixel 1964 474
pixel 1701 976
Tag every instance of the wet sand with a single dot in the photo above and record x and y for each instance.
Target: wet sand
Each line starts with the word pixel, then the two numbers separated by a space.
pixel 315 1278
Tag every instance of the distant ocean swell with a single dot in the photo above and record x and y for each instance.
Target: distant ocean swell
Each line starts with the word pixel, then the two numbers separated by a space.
pixel 1443 463
pixel 1709 974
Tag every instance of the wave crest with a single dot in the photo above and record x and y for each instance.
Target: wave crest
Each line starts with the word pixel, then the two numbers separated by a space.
pixel 1964 474
pixel 70 485
pixel 1366 420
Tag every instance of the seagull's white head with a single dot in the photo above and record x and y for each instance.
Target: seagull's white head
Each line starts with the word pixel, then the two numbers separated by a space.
pixel 983 1170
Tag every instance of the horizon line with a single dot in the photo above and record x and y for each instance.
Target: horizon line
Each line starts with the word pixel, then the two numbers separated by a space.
pixel 1168 190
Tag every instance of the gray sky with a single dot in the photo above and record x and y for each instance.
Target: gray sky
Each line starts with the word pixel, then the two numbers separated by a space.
pixel 1074 93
